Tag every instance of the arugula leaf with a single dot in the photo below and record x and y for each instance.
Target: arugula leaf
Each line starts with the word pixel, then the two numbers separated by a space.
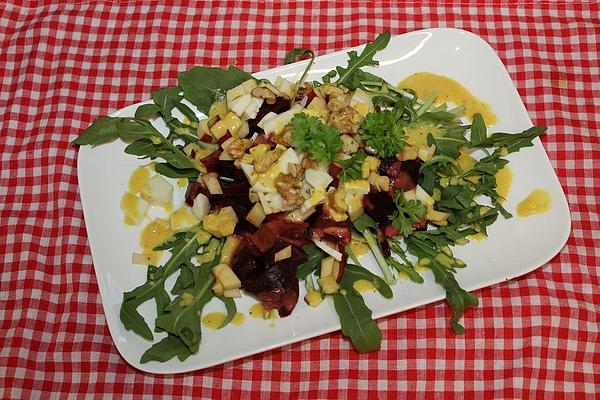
pixel 320 141
pixel 147 111
pixel 442 267
pixel 154 287
pixel 478 131
pixel 293 55
pixel 166 99
pixel 103 130
pixel 514 141
pixel 444 236
pixel 407 213
pixel 315 255
pixel 355 61
pixel 171 172
pixel 203 86
pixel 364 222
pixel 353 273
pixel 449 143
pixel 147 142
pixel 351 167
pixel 356 320
pixel 185 279
pixel 169 347
pixel 365 225
pixel 182 316
pixel 441 116
pixel 383 132
pixel 408 268
pixel 231 309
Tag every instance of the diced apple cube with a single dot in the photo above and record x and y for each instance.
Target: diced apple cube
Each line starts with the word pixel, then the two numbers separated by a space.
pixel 211 181
pixel 229 249
pixel 313 298
pixel 201 206
pixel 221 224
pixel 224 274
pixel 218 288
pixel 283 254
pixel 134 208
pixel 183 219
pixel 256 215
pixel 234 293
pixel 157 191
pixel 327 266
pixel 328 284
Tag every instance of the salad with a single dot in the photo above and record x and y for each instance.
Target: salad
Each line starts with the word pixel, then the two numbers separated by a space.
pixel 283 179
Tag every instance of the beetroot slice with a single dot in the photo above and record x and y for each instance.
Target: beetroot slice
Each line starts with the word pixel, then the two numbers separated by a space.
pixel 379 206
pixel 274 284
pixel 278 107
pixel 269 233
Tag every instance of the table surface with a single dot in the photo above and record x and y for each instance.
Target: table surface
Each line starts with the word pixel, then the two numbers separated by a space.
pixel 63 64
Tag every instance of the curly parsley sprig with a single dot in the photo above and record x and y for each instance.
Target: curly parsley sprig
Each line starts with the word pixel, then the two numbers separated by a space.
pixel 383 132
pixel 320 141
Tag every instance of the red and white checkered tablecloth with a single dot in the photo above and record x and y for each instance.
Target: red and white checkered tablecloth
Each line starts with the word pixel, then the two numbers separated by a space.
pixel 64 63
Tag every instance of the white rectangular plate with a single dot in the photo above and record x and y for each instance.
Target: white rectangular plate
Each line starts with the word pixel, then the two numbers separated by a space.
pixel 514 247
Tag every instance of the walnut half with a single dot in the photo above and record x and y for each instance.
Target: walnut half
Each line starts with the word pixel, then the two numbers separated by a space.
pixel 289 188
pixel 238 147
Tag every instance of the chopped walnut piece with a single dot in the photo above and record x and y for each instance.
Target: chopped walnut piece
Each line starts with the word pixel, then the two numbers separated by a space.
pixel 238 147
pixel 264 163
pixel 308 163
pixel 349 145
pixel 303 91
pixel 345 120
pixel 266 93
pixel 290 188
pixel 338 101
pixel 295 170
pixel 336 200
pixel 284 138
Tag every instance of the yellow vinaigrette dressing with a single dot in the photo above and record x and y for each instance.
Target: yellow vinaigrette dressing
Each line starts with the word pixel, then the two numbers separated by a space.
pixel 258 311
pixel 139 177
pixel 130 203
pixel 154 234
pixel 539 201
pixel 131 208
pixel 363 286
pixel 359 248
pixel 448 90
pixel 214 320
pixel 503 182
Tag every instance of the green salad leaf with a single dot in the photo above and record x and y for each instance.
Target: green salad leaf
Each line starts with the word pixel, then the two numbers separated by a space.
pixel 351 167
pixel 154 287
pixel 231 309
pixel 298 52
pixel 407 213
pixel 356 321
pixel 203 86
pixel 353 273
pixel 182 316
pixel 315 255
pixel 164 350
pixel 346 76
pixel 442 266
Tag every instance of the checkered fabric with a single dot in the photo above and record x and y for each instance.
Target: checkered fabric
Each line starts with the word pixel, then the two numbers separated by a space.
pixel 65 63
